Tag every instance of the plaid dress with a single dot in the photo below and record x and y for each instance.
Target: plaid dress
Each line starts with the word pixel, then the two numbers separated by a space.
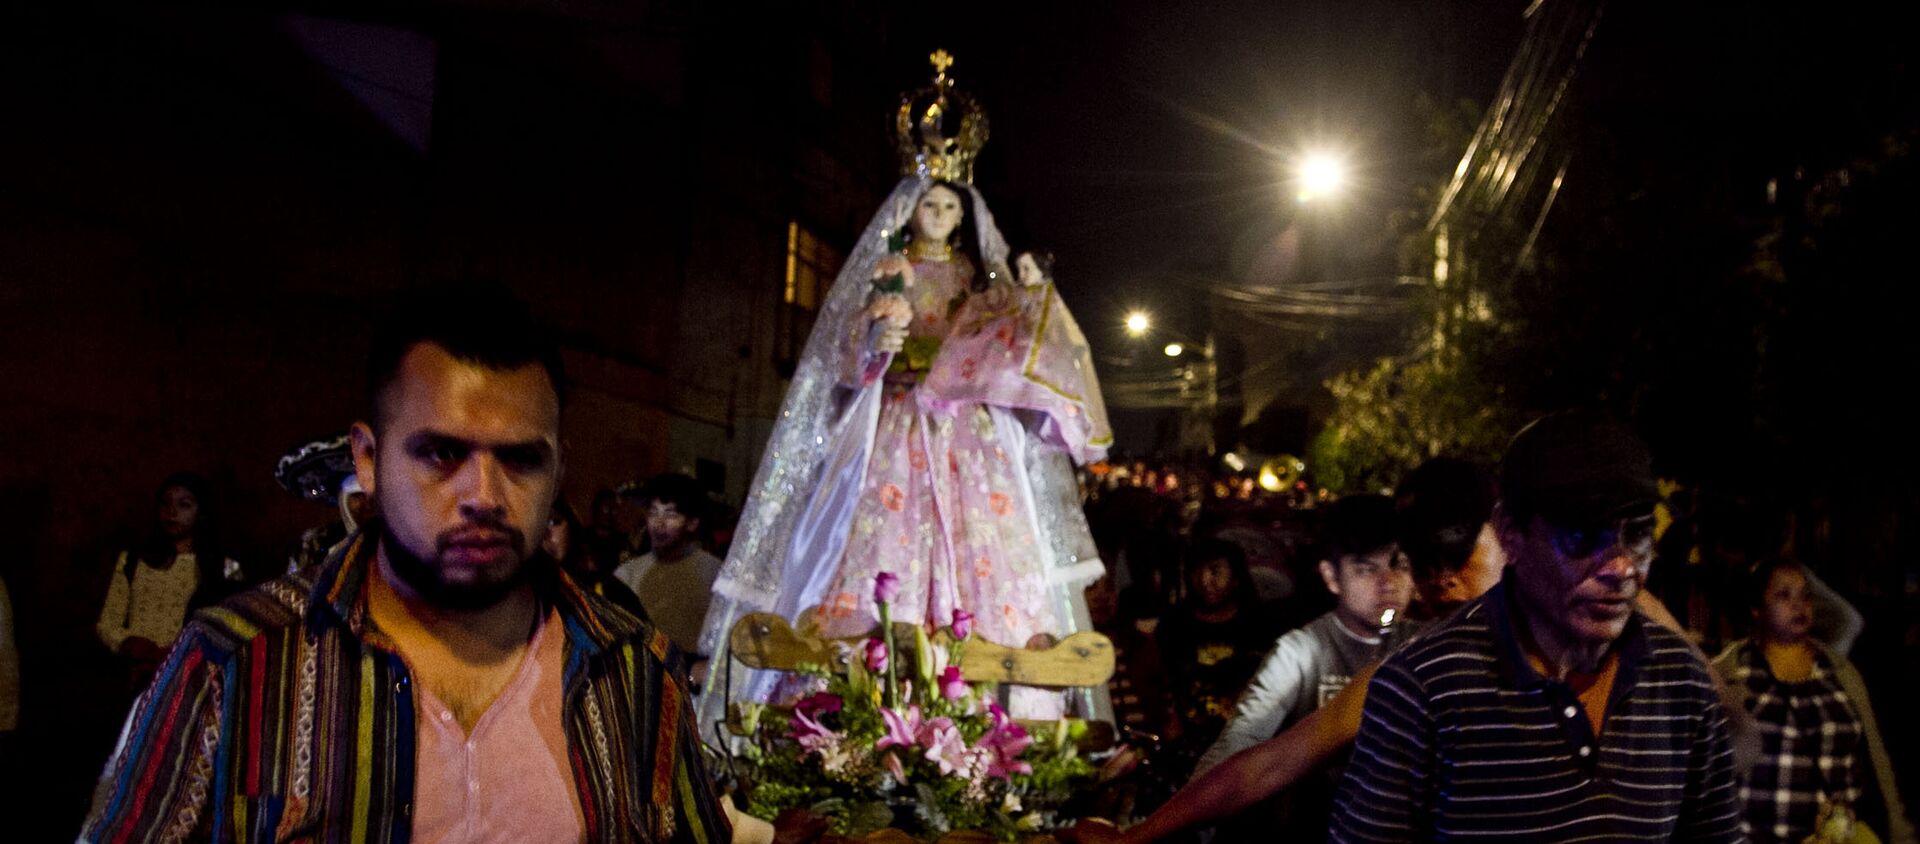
pixel 1811 748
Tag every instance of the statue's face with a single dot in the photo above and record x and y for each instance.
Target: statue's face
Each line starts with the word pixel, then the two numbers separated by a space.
pixel 1028 270
pixel 937 214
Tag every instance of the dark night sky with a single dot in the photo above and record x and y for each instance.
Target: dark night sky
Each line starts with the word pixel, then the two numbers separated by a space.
pixel 1144 142
pixel 1150 141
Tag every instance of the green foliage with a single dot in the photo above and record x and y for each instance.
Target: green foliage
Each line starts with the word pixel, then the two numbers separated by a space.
pixel 1401 412
pixel 1440 397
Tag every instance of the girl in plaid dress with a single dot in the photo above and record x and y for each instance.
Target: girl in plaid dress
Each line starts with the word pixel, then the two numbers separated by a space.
pixel 1819 744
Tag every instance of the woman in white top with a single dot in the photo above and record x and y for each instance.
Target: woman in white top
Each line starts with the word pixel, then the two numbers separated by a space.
pixel 177 568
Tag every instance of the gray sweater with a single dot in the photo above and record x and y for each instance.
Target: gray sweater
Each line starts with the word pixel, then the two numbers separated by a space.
pixel 1305 669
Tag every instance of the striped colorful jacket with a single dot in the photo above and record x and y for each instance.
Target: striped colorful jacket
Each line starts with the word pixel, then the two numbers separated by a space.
pixel 284 715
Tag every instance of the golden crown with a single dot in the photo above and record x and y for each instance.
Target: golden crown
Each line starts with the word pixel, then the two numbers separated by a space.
pixel 921 128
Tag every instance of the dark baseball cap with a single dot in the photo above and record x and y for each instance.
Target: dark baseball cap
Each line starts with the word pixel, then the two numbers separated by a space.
pixel 1578 468
pixel 1439 509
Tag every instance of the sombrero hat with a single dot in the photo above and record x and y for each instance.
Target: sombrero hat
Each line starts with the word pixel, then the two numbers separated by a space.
pixel 315 470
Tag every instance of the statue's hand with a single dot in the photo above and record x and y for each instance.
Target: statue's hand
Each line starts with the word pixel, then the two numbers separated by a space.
pixel 891 339
pixel 891 309
pixel 893 265
pixel 891 314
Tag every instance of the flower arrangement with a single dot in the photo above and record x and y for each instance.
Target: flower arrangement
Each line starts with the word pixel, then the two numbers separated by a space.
pixel 903 741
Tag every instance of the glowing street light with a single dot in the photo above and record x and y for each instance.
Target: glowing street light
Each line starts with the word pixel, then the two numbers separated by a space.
pixel 1321 174
pixel 1270 480
pixel 1197 379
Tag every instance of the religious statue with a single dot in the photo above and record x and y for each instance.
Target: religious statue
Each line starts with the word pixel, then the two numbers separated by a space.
pixel 929 431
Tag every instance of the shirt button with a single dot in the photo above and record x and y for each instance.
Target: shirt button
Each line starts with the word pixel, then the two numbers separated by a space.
pixel 1570 712
pixel 445 715
pixel 1586 751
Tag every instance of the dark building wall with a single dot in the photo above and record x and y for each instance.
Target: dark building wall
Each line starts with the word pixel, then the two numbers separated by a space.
pixel 797 136
pixel 198 211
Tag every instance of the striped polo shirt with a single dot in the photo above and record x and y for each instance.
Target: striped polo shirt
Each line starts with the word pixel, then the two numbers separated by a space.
pixel 1462 740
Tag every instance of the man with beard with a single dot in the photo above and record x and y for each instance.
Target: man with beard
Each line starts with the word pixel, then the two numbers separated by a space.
pixel 438 678
pixel 1549 708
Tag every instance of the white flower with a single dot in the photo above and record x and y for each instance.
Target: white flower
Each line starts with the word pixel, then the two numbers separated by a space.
pixel 835 757
pixel 940 660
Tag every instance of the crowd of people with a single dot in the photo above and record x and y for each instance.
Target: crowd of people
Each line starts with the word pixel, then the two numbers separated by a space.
pixel 179 565
pixel 1544 584
pixel 1477 653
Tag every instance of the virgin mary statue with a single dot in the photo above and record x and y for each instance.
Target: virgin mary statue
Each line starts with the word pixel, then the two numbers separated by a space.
pixel 929 432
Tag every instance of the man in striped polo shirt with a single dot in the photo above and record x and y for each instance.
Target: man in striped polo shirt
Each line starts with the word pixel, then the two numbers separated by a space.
pixel 1549 709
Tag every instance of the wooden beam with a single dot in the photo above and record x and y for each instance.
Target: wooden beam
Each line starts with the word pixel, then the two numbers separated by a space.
pixel 767 641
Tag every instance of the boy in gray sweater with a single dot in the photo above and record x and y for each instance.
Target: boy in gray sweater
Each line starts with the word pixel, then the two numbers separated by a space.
pixel 1371 579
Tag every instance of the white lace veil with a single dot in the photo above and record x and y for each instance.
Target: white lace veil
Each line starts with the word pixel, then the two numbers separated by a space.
pixel 816 413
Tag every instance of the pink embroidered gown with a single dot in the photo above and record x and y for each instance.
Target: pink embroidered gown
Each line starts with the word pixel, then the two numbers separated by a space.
pixel 945 502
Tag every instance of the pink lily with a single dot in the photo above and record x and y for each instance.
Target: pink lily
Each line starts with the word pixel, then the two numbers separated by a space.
pixel 998 714
pixel 811 734
pixel 903 729
pixel 894 767
pixel 945 747
pixel 818 703
pixel 1004 744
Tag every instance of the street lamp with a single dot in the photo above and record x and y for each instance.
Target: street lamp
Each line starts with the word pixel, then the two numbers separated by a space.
pixel 1321 174
pixel 1198 380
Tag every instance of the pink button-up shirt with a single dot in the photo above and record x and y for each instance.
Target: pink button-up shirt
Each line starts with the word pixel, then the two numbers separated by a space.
pixel 509 780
